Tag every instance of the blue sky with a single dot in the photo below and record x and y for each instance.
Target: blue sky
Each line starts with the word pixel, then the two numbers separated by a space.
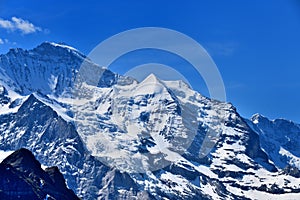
pixel 255 44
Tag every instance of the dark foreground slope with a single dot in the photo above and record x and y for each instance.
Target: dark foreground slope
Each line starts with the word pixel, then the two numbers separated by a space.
pixel 21 177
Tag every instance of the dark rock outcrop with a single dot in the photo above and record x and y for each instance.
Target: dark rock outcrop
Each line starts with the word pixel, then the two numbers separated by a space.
pixel 21 177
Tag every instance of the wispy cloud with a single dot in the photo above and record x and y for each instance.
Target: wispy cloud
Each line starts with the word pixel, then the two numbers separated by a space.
pixel 6 41
pixel 19 24
pixel 6 24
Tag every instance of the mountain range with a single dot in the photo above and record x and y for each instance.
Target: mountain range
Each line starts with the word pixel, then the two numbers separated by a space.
pixel 118 138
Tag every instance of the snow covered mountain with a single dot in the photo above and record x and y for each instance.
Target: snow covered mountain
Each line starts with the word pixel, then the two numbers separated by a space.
pixel 120 139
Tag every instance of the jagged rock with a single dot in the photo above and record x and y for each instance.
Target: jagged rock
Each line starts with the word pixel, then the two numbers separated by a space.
pixel 21 177
pixel 291 170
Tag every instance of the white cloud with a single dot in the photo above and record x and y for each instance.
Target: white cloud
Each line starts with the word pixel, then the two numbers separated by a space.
pixel 20 24
pixel 6 24
pixel 25 26
pixel 6 41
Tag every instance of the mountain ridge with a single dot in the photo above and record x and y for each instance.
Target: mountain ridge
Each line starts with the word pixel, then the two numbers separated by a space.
pixel 160 137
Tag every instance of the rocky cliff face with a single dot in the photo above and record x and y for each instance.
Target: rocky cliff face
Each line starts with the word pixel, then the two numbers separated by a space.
pixel 120 139
pixel 280 138
pixel 22 177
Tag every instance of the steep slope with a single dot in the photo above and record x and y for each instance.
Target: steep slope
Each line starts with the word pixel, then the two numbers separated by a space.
pixel 280 138
pixel 22 177
pixel 55 141
pixel 141 123
pixel 49 68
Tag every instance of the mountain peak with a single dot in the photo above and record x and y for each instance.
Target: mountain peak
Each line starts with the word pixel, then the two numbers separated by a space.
pixel 48 68
pixel 46 46
pixel 61 45
pixel 21 177
pixel 151 84
pixel 22 158
pixel 151 78
pixel 256 118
